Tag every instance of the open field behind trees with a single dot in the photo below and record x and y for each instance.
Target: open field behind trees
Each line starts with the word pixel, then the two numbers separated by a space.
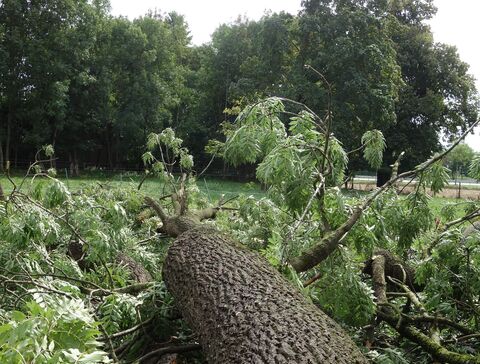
pixel 469 189
pixel 212 188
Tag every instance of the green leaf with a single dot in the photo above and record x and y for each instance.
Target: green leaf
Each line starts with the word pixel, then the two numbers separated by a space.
pixel 374 145
pixel 48 150
pixel 474 170
pixel 437 176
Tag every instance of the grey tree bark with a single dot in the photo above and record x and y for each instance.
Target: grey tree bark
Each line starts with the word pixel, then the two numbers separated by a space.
pixel 244 311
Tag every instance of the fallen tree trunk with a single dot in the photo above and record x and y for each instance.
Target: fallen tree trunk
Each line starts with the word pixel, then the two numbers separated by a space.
pixel 243 310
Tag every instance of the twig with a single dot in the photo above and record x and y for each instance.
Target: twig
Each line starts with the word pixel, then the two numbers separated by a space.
pixel 411 295
pixel 132 329
pixel 299 222
pixel 443 321
pixel 108 271
pixel 223 203
pixel 131 289
pixel 208 165
pixel 356 149
pixel 109 340
pixel 144 178
pixel 312 280
pixel 146 240
pixel 169 350
pixel 463 338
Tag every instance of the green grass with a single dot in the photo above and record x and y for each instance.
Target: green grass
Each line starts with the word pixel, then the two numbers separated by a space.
pixel 436 203
pixel 213 188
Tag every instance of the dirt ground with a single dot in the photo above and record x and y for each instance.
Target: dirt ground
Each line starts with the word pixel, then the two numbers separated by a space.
pixel 470 194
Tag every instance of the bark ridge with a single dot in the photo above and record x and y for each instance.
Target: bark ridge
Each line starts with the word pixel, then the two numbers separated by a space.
pixel 244 311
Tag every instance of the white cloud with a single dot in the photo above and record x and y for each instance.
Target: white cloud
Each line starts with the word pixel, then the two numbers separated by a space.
pixel 456 23
pixel 204 16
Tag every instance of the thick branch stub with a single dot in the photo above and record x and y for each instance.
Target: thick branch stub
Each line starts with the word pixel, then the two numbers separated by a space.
pixel 177 225
pixel 378 277
pixel 395 268
pixel 173 226
pixel 157 208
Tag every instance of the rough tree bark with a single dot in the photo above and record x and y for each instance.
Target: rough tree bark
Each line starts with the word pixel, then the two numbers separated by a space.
pixel 243 310
pixel 395 268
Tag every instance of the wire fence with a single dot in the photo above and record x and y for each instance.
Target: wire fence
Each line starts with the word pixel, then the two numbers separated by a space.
pixel 457 188
pixel 68 170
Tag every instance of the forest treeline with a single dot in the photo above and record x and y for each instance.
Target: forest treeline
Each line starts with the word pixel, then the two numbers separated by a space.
pixel 94 85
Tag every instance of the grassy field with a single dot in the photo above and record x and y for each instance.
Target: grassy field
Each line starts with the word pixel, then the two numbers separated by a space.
pixel 213 188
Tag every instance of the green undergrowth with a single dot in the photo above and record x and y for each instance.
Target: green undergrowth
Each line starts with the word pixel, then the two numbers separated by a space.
pixel 69 309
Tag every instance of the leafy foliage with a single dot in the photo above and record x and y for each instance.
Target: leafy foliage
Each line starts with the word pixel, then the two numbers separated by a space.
pixel 97 86
pixel 374 144
pixel 474 170
pixel 459 159
pixel 68 303
pixel 305 208
pixel 52 330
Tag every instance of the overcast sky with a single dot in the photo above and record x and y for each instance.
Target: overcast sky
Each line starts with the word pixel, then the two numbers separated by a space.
pixel 456 22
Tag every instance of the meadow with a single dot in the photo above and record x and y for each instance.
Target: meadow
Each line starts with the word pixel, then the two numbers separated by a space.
pixel 213 188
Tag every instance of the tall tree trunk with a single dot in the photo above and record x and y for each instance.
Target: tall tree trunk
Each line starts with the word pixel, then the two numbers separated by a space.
pixel 76 164
pixel 108 140
pixel 117 151
pixel 53 163
pixel 244 311
pixel 71 165
pixel 2 160
pixel 15 157
pixel 7 137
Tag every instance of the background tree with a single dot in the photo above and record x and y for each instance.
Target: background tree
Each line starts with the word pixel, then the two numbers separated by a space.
pixel 437 95
pixel 459 160
pixel 350 46
pixel 95 86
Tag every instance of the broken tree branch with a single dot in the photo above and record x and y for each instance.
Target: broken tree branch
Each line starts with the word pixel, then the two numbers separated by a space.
pixel 157 208
pixel 320 251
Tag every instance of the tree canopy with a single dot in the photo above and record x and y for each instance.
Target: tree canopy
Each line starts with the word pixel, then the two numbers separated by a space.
pixel 94 85
pixel 460 159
